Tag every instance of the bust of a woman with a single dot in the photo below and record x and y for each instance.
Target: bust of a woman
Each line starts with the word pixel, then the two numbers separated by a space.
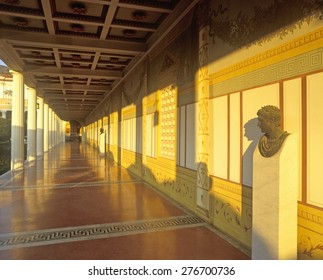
pixel 269 120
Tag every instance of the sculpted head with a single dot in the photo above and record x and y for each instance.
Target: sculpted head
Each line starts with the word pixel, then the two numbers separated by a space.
pixel 269 122
pixel 269 119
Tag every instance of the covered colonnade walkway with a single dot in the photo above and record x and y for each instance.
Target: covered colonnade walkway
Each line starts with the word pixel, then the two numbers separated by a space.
pixel 74 204
pixel 163 96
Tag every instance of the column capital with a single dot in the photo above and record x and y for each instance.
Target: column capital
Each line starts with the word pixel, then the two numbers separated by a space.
pixel 28 87
pixel 13 72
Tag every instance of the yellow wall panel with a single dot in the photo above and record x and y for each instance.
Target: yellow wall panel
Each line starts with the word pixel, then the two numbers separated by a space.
pixel 293 117
pixel 220 137
pixel 315 139
pixel 234 144
pixel 252 101
pixel 181 136
pixel 191 161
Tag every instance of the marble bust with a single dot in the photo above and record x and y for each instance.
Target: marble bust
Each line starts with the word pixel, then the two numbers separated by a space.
pixel 269 120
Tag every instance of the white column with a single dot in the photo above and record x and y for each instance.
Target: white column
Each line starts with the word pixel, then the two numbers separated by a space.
pixel 17 122
pixel 55 129
pixel 63 130
pixel 46 126
pixel 40 127
pixel 31 124
pixel 58 130
pixel 50 127
pixel 4 114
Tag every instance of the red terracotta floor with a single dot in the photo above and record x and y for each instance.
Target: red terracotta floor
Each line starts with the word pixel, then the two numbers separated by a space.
pixel 72 204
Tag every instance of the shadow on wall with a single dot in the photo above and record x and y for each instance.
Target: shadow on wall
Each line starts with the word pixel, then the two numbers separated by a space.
pixel 110 155
pixel 253 134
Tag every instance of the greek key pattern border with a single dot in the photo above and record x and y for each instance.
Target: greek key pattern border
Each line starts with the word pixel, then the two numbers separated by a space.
pixel 85 184
pixel 292 67
pixel 301 42
pixel 91 232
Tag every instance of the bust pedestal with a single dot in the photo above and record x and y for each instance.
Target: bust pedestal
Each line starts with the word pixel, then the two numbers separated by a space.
pixel 275 185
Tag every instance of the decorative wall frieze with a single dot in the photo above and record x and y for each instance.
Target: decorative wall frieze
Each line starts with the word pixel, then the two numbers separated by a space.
pixel 308 215
pixel 177 184
pixel 132 161
pixel 220 185
pixel 296 66
pixel 233 215
pixel 301 45
pixel 308 247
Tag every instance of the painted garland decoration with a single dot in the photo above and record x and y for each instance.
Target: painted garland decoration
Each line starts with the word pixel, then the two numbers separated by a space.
pixel 263 23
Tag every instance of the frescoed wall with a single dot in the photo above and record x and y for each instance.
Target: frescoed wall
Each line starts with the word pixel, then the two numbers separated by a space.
pixel 185 121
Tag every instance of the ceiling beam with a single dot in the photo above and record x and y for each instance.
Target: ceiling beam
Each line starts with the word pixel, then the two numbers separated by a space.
pixel 80 73
pixel 71 42
pixel 17 14
pixel 140 27
pixel 150 8
pixel 48 16
pixel 72 87
pixel 72 96
pixel 108 19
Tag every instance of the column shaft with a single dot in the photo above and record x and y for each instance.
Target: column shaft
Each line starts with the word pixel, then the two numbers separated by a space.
pixel 46 127
pixel 40 127
pixel 50 127
pixel 31 124
pixel 17 122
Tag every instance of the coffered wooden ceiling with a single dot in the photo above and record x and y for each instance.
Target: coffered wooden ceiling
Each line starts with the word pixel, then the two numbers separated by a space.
pixel 76 52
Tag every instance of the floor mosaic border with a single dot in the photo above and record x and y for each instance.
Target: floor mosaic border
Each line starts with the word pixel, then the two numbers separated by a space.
pixel 69 185
pixel 90 232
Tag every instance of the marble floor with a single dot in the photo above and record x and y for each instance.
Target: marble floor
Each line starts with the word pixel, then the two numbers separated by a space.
pixel 73 204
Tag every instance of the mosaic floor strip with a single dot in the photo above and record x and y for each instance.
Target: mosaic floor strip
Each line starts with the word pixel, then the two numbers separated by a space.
pixel 68 185
pixel 64 235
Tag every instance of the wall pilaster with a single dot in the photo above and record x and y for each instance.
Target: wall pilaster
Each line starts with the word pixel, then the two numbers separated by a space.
pixel 202 119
